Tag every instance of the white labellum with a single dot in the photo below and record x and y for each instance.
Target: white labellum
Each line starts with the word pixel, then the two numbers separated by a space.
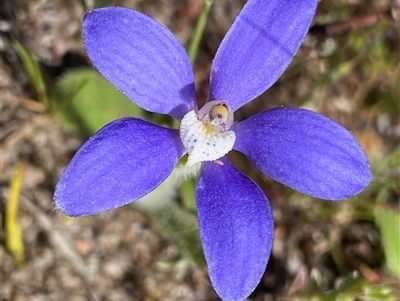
pixel 205 135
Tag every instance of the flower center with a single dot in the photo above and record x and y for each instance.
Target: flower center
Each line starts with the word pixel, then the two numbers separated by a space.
pixel 205 135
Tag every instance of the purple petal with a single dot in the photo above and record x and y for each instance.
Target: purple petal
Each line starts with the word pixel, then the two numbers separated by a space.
pixel 236 229
pixel 258 48
pixel 141 58
pixel 122 162
pixel 305 151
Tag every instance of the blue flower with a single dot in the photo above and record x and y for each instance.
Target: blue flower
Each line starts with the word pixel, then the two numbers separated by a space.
pixel 130 157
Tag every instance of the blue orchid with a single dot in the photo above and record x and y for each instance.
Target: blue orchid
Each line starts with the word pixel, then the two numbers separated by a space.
pixel 130 157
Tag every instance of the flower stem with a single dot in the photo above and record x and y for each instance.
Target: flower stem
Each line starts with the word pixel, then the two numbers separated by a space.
pixel 198 31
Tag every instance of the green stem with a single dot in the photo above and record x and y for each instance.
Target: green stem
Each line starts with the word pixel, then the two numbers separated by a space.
pixel 198 31
pixel 84 5
pixel 188 191
pixel 178 224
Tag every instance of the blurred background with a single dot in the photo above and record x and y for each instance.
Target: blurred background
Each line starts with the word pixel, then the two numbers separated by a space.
pixel 52 100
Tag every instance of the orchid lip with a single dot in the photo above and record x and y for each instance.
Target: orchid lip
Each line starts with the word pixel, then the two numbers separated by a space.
pixel 206 134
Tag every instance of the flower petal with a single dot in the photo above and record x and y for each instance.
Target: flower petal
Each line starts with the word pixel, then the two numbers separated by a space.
pixel 305 151
pixel 258 47
pixel 142 58
pixel 122 162
pixel 236 229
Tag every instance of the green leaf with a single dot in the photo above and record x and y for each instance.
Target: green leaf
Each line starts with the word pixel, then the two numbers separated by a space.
pixel 388 221
pixel 342 70
pixel 32 67
pixel 84 101
pixel 13 232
